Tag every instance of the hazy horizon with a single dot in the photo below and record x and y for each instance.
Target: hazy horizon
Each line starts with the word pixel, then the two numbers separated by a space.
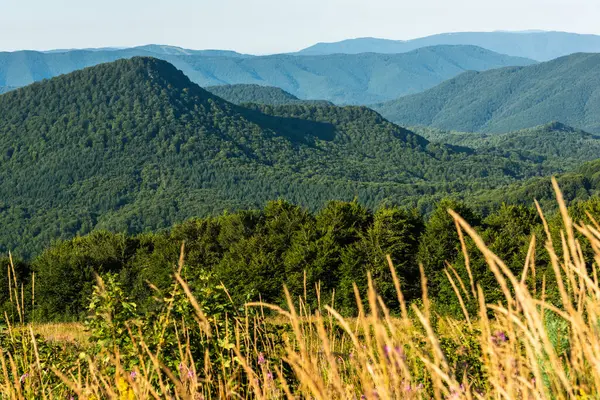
pixel 273 26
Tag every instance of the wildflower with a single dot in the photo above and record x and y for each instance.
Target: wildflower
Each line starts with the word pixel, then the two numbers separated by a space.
pixel 190 374
pixel 270 375
pixel 386 350
pixel 499 337
pixel 133 375
pixel 261 359
pixel 23 377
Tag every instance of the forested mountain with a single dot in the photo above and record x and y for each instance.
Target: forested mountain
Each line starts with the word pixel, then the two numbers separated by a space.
pixel 555 143
pixel 134 145
pixel 579 185
pixel 344 79
pixel 248 93
pixel 508 99
pixel 541 46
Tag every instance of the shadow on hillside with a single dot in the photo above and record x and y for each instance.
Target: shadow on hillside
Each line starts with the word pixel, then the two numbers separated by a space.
pixel 299 131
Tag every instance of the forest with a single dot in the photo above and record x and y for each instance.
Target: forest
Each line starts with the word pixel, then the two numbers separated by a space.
pixel 255 253
pixel 508 99
pixel 135 146
pixel 161 240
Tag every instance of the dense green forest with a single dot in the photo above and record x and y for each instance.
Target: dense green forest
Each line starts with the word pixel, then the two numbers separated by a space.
pixel 134 145
pixel 345 79
pixel 247 93
pixel 554 143
pixel 254 253
pixel 508 99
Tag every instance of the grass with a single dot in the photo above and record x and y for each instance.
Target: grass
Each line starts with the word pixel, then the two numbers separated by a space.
pixel 525 347
pixel 62 332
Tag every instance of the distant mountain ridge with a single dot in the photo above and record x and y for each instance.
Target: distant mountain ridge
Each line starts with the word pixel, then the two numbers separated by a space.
pixel 342 79
pixel 508 99
pixel 541 46
pixel 156 49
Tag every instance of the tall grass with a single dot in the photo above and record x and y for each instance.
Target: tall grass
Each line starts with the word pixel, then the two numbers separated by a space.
pixel 525 347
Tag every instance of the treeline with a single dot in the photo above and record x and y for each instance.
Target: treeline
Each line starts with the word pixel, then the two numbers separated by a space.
pixel 255 253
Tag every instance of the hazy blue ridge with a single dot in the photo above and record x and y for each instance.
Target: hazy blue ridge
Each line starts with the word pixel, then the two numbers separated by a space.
pixel 541 46
pixel 342 79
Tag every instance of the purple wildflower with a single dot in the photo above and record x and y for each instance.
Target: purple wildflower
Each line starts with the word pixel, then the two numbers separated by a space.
pixel 386 350
pixel 261 359
pixel 499 337
pixel 270 375
pixel 133 374
pixel 190 374
pixel 23 377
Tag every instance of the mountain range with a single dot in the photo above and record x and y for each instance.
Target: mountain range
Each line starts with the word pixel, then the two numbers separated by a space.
pixel 343 79
pixel 134 145
pixel 507 99
pixel 541 46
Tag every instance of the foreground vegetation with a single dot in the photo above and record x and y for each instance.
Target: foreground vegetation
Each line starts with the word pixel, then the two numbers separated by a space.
pixel 255 253
pixel 534 336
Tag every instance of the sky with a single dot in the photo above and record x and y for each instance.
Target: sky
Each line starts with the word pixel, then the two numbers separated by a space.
pixel 271 26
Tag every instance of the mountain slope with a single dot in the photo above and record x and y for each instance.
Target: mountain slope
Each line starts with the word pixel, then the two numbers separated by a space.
pixel 344 79
pixel 134 145
pixel 541 46
pixel 242 93
pixel 508 99
pixel 4 89
pixel 554 142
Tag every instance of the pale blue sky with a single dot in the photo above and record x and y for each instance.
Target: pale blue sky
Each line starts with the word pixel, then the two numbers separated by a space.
pixel 270 26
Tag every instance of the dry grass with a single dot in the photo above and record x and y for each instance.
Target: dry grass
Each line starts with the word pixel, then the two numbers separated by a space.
pixel 380 357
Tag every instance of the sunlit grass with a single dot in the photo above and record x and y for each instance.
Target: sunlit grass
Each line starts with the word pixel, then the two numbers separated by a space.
pixel 62 332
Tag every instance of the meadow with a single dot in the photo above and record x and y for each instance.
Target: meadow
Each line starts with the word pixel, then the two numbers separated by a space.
pixel 535 342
